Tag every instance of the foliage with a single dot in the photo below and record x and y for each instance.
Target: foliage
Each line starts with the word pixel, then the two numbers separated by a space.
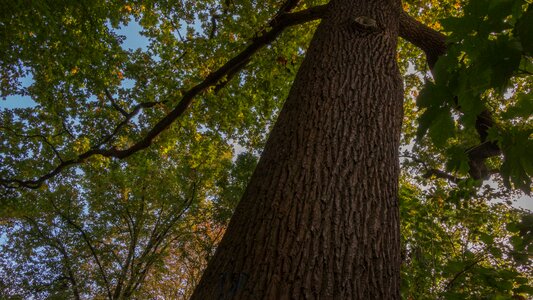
pixel 146 225
pixel 488 65
pixel 466 249
pixel 107 231
pixel 458 243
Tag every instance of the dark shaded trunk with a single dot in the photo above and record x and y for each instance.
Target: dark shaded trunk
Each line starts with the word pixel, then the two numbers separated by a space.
pixel 319 219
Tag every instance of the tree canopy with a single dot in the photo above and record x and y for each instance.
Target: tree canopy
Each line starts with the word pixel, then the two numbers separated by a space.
pixel 120 173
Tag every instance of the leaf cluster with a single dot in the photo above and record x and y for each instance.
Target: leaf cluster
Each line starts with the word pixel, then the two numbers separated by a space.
pixel 486 72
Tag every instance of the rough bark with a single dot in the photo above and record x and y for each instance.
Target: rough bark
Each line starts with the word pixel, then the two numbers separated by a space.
pixel 319 218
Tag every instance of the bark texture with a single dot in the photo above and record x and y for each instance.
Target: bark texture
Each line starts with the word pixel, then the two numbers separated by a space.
pixel 319 218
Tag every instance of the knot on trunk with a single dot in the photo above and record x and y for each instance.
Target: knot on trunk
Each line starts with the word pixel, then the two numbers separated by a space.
pixel 364 23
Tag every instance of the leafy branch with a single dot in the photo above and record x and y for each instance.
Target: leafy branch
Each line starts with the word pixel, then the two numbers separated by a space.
pixel 452 281
pixel 434 45
pixel 281 21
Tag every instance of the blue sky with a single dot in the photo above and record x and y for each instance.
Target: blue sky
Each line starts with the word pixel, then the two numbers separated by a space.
pixel 133 40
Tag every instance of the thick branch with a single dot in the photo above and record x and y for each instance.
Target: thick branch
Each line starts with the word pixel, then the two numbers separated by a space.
pixel 279 23
pixel 432 42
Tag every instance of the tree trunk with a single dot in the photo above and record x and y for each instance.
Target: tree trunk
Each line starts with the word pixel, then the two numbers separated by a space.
pixel 319 219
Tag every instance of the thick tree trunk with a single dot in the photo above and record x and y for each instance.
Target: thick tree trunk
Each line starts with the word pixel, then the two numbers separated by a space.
pixel 319 219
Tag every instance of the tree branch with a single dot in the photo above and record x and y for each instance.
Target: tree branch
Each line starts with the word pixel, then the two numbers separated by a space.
pixel 279 23
pixel 114 103
pixel 434 172
pixel 87 241
pixel 432 42
pixel 441 174
pixel 55 243
pixel 40 136
pixel 124 122
pixel 134 229
pixel 464 270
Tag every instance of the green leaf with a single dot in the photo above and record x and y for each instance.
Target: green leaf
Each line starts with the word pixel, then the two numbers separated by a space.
pixel 504 59
pixel 497 11
pixel 437 116
pixel 517 167
pixel 522 108
pixel 445 66
pixel 477 8
pixel 433 95
pixel 439 122
pixel 524 289
pixel 525 31
pixel 517 243
pixel 471 106
pixel 454 267
pixel 512 227
pixel 486 238
pixel 457 160
pixel 442 128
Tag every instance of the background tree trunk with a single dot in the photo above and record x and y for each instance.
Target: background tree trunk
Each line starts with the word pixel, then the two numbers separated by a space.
pixel 319 219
